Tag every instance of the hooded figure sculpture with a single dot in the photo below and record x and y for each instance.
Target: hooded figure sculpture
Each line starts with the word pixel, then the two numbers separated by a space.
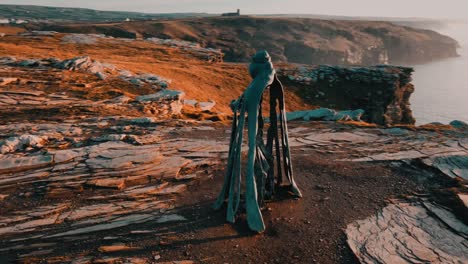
pixel 260 172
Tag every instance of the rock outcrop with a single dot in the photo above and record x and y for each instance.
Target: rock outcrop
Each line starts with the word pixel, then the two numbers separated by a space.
pixel 162 103
pixel 145 79
pixel 88 65
pixel 89 39
pixel 81 63
pixel 383 92
pixel 459 124
pixel 85 63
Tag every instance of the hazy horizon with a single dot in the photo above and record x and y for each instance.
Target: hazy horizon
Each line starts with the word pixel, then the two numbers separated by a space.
pixel 449 9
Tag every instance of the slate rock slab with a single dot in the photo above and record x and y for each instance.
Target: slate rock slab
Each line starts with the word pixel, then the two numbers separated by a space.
pixel 452 166
pixel 409 232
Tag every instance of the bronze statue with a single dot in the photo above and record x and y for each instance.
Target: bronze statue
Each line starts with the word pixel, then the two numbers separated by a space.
pixel 260 173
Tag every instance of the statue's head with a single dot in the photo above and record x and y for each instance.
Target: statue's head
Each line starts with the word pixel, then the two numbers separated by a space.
pixel 260 62
pixel 261 57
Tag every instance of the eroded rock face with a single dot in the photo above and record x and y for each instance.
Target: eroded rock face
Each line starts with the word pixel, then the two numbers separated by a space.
pixel 383 92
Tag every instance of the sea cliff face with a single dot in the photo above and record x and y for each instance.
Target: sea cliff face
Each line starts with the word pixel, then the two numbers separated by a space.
pixel 294 40
pixel 383 92
pixel 413 46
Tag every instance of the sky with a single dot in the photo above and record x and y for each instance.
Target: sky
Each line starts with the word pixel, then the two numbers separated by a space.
pixel 449 9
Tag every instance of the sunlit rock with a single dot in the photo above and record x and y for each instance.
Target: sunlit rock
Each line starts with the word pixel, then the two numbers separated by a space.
pixel 22 142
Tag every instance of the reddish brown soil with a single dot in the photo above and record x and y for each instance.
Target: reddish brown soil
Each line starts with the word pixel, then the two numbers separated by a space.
pixel 308 230
pixel 200 80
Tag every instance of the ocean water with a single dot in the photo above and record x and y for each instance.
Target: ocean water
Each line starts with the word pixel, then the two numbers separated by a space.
pixel 441 88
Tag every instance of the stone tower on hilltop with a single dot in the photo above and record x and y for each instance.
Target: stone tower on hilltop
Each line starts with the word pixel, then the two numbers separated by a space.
pixel 232 14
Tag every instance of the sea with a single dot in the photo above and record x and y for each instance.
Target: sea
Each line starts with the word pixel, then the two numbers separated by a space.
pixel 441 87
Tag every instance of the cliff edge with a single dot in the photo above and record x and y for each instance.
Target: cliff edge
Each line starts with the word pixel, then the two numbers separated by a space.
pixel 383 92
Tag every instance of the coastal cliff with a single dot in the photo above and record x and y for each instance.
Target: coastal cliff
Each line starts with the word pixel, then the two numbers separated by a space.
pixel 383 92
pixel 294 40
pixel 117 157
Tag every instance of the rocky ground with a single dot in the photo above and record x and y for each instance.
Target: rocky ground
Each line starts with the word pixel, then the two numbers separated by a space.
pixel 92 173
pixel 88 195
pixel 191 69
pixel 123 189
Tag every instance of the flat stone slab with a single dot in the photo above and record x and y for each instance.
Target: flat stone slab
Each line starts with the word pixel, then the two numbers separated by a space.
pixel 12 163
pixel 464 143
pixel 118 183
pixel 119 222
pixel 161 95
pixel 409 232
pixel 7 80
pixel 452 166
pixel 28 226
pixel 342 136
pixel 464 199
pixel 178 262
pixel 170 218
pixel 402 155
pixel 117 248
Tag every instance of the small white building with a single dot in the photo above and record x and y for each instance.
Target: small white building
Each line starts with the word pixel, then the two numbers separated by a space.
pixel 4 21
